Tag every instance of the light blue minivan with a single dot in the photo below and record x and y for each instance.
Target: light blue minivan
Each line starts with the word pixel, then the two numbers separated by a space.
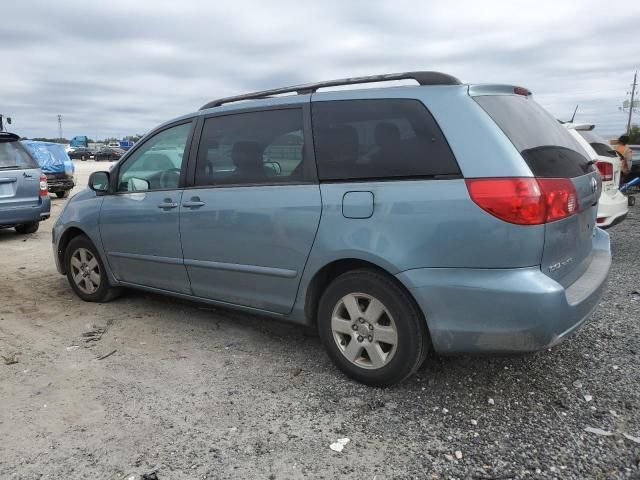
pixel 443 216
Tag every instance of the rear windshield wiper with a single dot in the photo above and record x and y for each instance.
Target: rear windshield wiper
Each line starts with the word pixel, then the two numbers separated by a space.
pixel 2 167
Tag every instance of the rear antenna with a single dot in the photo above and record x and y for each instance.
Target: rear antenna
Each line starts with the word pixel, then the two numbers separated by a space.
pixel 574 114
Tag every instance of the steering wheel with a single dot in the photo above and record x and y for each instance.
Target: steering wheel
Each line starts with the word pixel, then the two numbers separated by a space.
pixel 166 180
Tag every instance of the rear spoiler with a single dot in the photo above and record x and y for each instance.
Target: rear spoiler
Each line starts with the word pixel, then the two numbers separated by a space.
pixel 578 126
pixel 478 90
pixel 8 137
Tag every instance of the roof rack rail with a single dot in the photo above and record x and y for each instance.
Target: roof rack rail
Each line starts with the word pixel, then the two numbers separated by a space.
pixel 423 78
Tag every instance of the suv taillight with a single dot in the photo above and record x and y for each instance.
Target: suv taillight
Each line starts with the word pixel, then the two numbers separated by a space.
pixel 606 171
pixel 44 186
pixel 525 201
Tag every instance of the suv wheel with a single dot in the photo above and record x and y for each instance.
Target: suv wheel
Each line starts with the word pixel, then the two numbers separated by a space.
pixel 372 329
pixel 86 273
pixel 27 228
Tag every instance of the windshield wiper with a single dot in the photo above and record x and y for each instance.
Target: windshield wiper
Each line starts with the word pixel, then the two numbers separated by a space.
pixel 2 167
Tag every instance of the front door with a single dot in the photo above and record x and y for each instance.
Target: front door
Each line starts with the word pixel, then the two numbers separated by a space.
pixel 249 222
pixel 139 222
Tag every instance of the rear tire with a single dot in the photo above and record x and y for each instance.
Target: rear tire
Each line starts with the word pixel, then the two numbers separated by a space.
pixel 26 228
pixel 372 328
pixel 63 194
pixel 86 273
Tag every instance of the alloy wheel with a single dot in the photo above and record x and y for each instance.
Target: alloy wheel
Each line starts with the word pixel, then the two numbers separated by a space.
pixel 85 271
pixel 364 330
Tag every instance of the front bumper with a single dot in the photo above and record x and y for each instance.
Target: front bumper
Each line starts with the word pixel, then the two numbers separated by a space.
pixel 506 310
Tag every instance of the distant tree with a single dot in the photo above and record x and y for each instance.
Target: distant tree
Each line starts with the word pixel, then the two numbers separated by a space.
pixel 634 135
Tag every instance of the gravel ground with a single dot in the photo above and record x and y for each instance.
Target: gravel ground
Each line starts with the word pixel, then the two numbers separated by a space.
pixel 198 392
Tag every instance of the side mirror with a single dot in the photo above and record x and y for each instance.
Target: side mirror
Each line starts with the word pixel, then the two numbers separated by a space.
pixel 275 167
pixel 138 185
pixel 99 182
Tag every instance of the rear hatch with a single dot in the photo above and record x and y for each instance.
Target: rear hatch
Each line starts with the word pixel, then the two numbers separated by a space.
pixel 608 164
pixel 19 175
pixel 552 153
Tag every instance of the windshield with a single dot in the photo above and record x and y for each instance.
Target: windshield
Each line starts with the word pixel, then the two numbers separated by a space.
pixel 12 155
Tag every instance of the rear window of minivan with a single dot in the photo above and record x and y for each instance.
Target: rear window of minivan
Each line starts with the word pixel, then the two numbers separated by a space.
pixel 546 146
pixel 13 156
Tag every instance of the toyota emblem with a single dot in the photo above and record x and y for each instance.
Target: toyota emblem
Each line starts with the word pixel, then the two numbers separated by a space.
pixel 594 185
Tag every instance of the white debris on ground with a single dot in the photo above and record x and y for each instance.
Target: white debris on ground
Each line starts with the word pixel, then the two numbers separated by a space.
pixel 339 444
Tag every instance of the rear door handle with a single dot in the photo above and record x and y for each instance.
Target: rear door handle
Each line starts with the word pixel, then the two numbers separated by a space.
pixel 167 204
pixel 194 202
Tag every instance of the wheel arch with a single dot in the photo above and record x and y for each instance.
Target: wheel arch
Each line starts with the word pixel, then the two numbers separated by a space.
pixel 332 270
pixel 68 235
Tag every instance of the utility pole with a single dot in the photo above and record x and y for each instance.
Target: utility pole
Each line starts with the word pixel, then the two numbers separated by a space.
pixel 633 92
pixel 59 127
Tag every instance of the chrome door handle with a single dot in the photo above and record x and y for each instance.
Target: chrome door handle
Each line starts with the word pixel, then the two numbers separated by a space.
pixel 167 204
pixel 193 204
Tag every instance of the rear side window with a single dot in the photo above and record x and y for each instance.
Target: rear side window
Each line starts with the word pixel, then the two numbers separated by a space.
pixel 546 146
pixel 13 156
pixel 376 139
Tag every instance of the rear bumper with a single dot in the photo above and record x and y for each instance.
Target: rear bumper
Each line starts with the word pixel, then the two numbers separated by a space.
pixel 20 215
pixel 506 310
pixel 612 210
pixel 60 184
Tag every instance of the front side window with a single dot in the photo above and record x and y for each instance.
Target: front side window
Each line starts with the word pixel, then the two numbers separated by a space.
pixel 156 164
pixel 251 148
pixel 377 139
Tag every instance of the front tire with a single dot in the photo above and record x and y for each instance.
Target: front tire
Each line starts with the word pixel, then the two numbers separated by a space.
pixel 86 273
pixel 372 328
pixel 26 228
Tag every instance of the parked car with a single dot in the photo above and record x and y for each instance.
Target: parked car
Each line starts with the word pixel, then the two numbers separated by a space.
pixel 24 194
pixel 81 153
pixel 55 164
pixel 108 153
pixel 612 205
pixel 447 217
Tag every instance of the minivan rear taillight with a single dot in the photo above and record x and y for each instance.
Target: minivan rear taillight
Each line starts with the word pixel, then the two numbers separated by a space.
pixel 525 201
pixel 44 186
pixel 606 171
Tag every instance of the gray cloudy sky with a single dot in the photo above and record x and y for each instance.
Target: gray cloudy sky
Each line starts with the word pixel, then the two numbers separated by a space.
pixel 115 67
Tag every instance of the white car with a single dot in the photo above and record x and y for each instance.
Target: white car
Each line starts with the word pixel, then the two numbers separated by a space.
pixel 613 206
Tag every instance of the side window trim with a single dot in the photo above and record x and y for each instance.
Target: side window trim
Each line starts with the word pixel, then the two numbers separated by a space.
pixel 115 173
pixel 309 166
